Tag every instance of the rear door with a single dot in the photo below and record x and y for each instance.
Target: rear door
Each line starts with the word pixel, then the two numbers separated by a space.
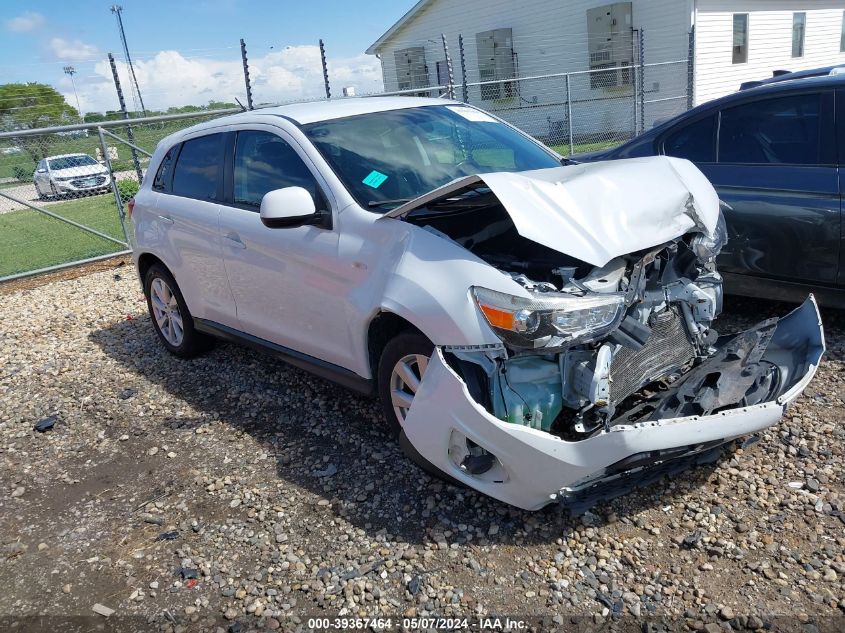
pixel 776 168
pixel 186 219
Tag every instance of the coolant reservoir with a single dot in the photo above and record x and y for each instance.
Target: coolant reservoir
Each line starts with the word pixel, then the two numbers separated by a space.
pixel 528 391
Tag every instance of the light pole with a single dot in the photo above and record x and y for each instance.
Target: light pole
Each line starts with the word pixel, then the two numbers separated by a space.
pixel 71 71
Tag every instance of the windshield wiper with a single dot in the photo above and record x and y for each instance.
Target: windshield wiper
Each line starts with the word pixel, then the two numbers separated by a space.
pixel 382 203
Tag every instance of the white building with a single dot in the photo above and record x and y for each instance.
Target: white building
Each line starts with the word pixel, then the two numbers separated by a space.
pixel 537 41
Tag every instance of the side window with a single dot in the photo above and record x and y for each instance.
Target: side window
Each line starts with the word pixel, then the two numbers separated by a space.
pixel 162 179
pixel 695 141
pixel 781 131
pixel 197 169
pixel 264 162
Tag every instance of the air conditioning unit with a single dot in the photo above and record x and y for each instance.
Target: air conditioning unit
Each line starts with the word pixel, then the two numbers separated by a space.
pixel 610 39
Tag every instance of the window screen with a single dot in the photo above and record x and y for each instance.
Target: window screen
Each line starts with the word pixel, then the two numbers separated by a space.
pixel 782 131
pixel 264 162
pixel 740 40
pixel 799 27
pixel 695 141
pixel 197 168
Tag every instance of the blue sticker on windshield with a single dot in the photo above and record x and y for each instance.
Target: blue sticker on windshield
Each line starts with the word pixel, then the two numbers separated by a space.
pixel 374 179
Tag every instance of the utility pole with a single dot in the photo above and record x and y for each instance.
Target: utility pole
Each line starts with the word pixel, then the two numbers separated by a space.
pixel 71 71
pixel 129 133
pixel 117 9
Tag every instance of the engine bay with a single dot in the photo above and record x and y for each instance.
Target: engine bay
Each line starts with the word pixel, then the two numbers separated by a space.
pixel 642 349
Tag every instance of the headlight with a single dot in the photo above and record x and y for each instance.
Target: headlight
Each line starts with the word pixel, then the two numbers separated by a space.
pixel 549 319
pixel 706 248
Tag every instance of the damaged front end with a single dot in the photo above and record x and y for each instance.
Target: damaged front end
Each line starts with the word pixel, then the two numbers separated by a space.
pixel 606 368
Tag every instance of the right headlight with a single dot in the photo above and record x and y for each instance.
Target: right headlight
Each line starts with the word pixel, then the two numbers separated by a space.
pixel 550 319
pixel 706 248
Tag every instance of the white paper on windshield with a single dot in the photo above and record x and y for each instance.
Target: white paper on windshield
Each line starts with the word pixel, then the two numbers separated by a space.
pixel 471 114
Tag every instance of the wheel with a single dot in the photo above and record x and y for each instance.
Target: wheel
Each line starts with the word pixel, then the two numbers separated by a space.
pixel 170 316
pixel 401 368
pixel 39 193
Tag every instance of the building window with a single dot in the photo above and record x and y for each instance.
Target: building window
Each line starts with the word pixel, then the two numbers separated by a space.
pixel 496 61
pixel 799 27
pixel 411 69
pixel 740 44
pixel 842 37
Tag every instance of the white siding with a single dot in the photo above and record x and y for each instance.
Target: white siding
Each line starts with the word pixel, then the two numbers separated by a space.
pixel 550 36
pixel 769 44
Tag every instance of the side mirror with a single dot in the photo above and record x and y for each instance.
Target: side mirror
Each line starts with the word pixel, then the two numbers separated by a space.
pixel 40 171
pixel 289 207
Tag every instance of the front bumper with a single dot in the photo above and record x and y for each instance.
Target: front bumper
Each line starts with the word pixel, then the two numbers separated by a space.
pixel 83 184
pixel 535 468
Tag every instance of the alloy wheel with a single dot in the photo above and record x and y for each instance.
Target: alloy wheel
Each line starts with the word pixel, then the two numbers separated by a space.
pixel 166 312
pixel 404 381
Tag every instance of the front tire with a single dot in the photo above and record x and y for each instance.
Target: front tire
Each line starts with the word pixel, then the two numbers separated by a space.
pixel 171 318
pixel 401 370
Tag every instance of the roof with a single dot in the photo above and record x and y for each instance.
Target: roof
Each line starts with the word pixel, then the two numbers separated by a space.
pixel 419 6
pixel 790 76
pixel 325 110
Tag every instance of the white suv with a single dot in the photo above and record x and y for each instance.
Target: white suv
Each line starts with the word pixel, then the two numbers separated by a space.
pixel 534 331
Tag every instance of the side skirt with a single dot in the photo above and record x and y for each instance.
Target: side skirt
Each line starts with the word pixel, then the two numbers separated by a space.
pixel 321 368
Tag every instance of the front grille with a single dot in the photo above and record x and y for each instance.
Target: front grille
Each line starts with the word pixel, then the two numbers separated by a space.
pixel 96 181
pixel 668 348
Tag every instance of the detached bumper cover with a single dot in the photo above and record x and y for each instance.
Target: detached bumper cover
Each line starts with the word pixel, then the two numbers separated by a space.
pixel 535 468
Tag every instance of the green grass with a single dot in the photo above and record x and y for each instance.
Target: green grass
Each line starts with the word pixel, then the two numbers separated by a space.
pixel 583 148
pixel 30 240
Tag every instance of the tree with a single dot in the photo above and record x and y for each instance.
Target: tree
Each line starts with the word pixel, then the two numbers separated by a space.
pixel 28 106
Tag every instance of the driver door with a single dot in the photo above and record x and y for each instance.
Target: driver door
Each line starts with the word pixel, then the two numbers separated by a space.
pixel 287 286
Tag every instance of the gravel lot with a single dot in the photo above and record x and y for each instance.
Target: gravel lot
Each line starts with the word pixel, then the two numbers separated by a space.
pixel 280 497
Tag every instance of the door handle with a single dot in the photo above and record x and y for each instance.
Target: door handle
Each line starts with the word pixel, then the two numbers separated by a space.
pixel 166 219
pixel 234 240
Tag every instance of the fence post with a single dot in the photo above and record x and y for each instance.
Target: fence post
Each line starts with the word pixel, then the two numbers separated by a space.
pixel 117 199
pixel 642 81
pixel 325 70
pixel 129 133
pixel 463 67
pixel 450 89
pixel 246 75
pixel 569 115
pixel 691 68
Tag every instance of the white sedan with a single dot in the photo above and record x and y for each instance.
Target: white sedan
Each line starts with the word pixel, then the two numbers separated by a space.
pixel 69 174
pixel 534 331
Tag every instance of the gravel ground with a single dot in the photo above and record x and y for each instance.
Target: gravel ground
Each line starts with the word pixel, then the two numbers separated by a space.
pixel 232 492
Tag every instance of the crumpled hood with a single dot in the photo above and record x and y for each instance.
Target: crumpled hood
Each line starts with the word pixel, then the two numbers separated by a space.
pixel 597 211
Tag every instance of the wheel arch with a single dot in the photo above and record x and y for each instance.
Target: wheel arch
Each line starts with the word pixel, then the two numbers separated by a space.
pixel 146 261
pixel 384 326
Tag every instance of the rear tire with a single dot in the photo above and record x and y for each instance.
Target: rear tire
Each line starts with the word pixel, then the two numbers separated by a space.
pixel 172 321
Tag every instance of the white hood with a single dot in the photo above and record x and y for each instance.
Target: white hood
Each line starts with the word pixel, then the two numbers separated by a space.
pixel 597 211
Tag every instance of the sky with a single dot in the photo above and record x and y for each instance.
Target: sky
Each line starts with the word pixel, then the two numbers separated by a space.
pixel 188 53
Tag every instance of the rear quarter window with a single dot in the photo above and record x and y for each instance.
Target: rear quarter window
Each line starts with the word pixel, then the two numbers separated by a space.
pixel 197 172
pixel 165 170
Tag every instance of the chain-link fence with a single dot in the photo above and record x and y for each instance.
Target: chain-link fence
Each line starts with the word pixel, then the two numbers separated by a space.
pixel 62 189
pixel 62 193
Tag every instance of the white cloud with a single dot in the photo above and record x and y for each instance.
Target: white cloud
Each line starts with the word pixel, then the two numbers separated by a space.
pixel 71 50
pixel 171 79
pixel 28 21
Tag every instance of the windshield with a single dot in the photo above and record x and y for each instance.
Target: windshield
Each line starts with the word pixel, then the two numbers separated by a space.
pixel 385 158
pixel 66 162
